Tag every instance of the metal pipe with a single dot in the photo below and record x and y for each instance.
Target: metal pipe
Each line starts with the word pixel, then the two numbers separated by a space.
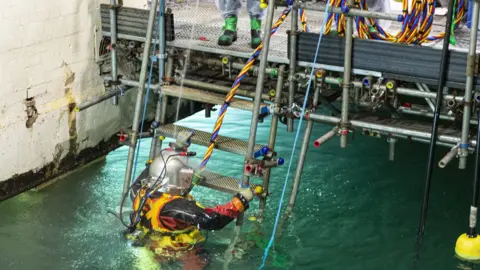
pixel 235 65
pixel 327 136
pixel 476 183
pixel 448 157
pixel 303 155
pixel 133 83
pixel 429 102
pixel 113 44
pixel 271 140
pixel 391 150
pixel 386 129
pixel 411 111
pixel 218 88
pixel 463 148
pixel 346 79
pixel 351 12
pixel 433 139
pixel 259 89
pixel 161 65
pixel 169 69
pixel 399 90
pixel 87 104
pixel 292 65
pixel 138 104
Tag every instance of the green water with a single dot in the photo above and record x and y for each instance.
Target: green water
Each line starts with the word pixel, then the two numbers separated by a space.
pixel 355 210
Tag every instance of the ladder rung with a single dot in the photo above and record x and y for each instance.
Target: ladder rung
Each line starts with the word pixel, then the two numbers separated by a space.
pixel 206 97
pixel 221 183
pixel 223 143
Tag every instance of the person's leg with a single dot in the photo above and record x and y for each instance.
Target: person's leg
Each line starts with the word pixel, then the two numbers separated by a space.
pixel 256 16
pixel 229 10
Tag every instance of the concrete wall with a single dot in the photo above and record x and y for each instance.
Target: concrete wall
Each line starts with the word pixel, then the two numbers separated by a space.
pixel 47 53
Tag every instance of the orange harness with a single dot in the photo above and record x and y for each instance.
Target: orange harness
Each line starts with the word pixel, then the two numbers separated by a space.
pixel 164 238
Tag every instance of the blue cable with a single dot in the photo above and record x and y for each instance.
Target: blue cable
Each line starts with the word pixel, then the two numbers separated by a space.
pixel 146 100
pixel 296 139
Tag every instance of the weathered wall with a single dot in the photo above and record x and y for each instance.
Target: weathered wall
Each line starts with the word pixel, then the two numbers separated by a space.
pixel 47 53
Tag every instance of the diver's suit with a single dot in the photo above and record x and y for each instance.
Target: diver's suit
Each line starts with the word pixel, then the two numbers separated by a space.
pixel 168 220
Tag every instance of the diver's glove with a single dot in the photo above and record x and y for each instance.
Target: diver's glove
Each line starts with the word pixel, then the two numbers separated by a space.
pixel 242 198
pixel 246 193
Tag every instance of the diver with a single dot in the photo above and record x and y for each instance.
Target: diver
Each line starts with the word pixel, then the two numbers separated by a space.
pixel 229 10
pixel 167 219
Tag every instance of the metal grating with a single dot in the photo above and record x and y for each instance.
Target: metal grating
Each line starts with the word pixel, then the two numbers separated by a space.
pixel 226 144
pixel 206 97
pixel 415 63
pixel 222 183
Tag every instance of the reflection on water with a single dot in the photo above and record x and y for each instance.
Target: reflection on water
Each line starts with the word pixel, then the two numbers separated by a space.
pixel 356 210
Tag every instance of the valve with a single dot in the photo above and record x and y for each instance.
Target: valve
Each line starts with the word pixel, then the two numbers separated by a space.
pixel 123 138
pixel 256 167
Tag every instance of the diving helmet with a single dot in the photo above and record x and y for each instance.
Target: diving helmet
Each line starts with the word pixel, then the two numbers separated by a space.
pixel 172 172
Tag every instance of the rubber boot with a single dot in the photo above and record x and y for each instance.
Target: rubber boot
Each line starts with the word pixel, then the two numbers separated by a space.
pixel 255 32
pixel 229 32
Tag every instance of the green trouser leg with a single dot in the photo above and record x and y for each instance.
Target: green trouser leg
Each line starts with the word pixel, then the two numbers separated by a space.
pixel 229 32
pixel 255 31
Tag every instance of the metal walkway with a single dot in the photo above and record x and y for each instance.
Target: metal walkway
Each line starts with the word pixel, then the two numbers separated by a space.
pixel 223 143
pixel 201 32
pixel 221 183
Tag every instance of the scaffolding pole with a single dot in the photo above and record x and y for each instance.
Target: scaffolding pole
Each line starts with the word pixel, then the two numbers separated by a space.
pixel 271 141
pixel 303 155
pixel 463 147
pixel 347 85
pixel 156 143
pixel 113 44
pixel 292 65
pixel 138 104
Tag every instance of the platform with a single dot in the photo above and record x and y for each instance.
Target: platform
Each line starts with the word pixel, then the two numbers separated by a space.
pixel 200 32
pixel 223 143
pixel 221 183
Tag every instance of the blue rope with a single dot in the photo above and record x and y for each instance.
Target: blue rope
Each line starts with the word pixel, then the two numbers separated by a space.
pixel 270 243
pixel 146 99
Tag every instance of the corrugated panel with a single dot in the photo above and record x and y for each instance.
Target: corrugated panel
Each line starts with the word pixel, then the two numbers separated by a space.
pixel 133 21
pixel 412 63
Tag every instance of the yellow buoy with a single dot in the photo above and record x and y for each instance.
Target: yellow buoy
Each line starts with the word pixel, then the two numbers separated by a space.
pixel 252 218
pixel 468 248
pixel 258 190
pixel 263 5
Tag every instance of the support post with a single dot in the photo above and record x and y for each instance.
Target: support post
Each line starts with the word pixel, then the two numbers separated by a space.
pixel 259 89
pixel 472 50
pixel 113 44
pixel 468 244
pixel 292 65
pixel 303 155
pixel 476 181
pixel 138 104
pixel 271 140
pixel 161 64
pixel 391 149
pixel 347 85
pixel 434 130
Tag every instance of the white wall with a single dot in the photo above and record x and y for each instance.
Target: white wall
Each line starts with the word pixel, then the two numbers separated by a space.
pixel 47 52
